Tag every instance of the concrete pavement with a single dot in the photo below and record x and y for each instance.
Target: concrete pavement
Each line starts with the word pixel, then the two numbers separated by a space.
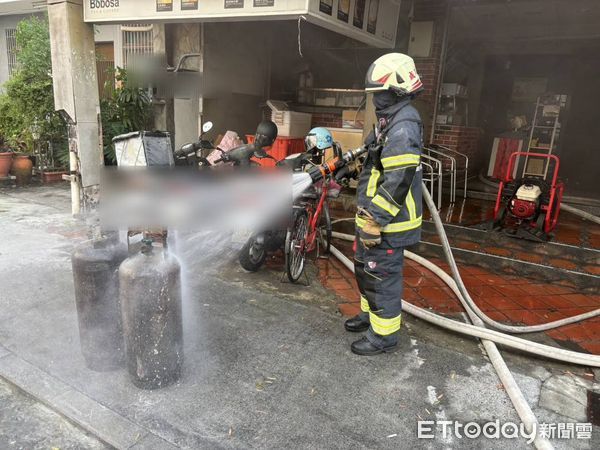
pixel 267 364
pixel 27 424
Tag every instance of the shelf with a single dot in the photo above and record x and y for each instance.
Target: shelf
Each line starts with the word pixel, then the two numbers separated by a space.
pixel 331 97
pixel 303 107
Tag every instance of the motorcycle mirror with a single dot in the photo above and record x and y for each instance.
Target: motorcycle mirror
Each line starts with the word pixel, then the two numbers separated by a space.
pixel 187 147
pixel 207 126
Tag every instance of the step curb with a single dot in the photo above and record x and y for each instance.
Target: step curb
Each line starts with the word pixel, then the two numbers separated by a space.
pixel 98 420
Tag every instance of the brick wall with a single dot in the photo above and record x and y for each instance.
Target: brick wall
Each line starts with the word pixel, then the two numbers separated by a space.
pixel 429 68
pixel 462 139
pixel 327 119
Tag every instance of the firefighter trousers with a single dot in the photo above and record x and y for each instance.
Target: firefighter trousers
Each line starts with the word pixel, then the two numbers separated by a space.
pixel 379 276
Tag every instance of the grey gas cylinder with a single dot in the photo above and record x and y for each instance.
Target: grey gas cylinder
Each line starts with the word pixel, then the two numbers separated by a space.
pixel 150 292
pixel 95 275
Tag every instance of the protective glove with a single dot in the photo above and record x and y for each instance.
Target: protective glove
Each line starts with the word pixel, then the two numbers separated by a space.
pixel 370 233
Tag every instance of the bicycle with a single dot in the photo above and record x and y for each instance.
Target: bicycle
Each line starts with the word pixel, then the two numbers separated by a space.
pixel 310 228
pixel 311 223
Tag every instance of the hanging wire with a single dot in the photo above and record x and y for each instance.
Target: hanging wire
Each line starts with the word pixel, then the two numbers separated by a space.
pixel 300 19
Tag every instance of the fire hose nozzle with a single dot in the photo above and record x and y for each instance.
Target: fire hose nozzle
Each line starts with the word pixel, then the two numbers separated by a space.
pixel 320 172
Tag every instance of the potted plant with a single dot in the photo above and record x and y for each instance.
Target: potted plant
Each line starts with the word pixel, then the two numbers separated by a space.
pixel 22 168
pixel 56 162
pixel 6 156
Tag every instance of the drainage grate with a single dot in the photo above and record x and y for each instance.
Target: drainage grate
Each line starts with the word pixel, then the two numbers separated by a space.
pixel 593 411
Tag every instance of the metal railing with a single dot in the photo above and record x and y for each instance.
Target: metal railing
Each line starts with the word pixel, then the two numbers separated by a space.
pixel 434 174
pixel 452 172
pixel 138 41
pixel 462 155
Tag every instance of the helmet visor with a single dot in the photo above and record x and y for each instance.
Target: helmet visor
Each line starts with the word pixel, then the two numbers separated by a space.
pixel 260 140
pixel 310 142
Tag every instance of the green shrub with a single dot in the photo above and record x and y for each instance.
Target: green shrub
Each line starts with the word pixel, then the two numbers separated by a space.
pixel 124 108
pixel 27 104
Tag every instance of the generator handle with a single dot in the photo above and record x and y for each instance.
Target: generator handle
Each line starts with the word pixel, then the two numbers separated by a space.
pixel 513 157
pixel 552 215
pixel 498 199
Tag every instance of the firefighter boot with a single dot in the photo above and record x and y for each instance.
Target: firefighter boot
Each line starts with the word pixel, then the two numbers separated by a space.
pixel 358 323
pixel 365 347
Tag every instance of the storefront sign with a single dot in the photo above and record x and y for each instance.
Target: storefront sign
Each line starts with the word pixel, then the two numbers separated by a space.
pixel 234 4
pixel 98 5
pixel 188 5
pixel 343 10
pixel 373 22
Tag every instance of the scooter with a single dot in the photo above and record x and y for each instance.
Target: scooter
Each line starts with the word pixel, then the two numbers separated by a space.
pixel 192 153
pixel 254 252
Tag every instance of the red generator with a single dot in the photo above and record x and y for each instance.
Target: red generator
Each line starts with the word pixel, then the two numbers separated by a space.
pixel 528 207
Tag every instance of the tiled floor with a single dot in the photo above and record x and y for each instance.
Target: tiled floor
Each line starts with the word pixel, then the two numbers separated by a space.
pixel 508 299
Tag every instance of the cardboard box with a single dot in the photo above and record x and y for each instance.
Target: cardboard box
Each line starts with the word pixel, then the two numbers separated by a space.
pixel 347 138
pixel 289 123
pixel 351 118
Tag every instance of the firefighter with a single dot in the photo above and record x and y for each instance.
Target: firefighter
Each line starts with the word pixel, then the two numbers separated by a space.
pixel 389 203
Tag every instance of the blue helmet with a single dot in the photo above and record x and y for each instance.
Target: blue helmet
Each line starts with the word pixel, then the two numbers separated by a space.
pixel 319 138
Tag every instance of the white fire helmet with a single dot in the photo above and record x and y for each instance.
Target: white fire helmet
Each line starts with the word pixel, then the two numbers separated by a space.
pixel 395 72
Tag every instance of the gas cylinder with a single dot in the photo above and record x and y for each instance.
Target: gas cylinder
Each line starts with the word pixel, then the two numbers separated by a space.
pixel 150 292
pixel 95 273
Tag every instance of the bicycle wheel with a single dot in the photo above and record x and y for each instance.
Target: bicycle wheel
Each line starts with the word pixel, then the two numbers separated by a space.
pixel 324 229
pixel 295 246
